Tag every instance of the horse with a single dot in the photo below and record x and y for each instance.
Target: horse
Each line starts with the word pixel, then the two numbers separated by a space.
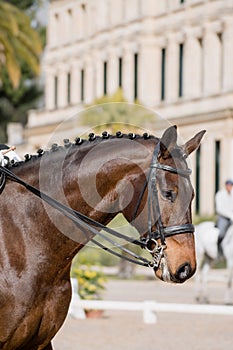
pixel 206 237
pixel 93 179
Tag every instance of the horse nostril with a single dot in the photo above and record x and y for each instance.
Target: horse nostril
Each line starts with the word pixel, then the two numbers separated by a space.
pixel 184 272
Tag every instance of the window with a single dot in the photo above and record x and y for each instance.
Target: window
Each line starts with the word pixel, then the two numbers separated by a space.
pixel 68 88
pixel 217 165
pixel 55 91
pixel 105 77
pixel 181 58
pixel 163 75
pixel 135 76
pixel 120 62
pixel 82 85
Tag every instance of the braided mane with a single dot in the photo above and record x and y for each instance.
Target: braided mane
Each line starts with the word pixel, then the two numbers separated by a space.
pixel 92 138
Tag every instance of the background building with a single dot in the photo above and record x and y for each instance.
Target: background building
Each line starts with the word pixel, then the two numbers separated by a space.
pixel 175 56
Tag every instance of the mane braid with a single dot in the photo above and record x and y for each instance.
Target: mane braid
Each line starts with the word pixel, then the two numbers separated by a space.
pixel 79 142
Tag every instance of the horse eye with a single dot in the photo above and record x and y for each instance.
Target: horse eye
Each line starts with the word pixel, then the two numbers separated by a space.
pixel 169 195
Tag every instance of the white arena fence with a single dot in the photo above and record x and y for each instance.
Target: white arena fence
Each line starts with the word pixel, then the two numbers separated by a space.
pixel 149 308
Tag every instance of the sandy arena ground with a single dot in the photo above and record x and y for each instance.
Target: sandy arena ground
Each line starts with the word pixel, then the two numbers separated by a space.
pixel 125 329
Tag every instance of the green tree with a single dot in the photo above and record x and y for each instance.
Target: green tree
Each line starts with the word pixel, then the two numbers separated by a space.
pixel 23 4
pixel 20 47
pixel 15 103
pixel 114 113
pixel 31 8
pixel 19 43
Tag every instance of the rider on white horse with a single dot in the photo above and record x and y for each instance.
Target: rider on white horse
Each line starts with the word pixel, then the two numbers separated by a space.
pixel 224 209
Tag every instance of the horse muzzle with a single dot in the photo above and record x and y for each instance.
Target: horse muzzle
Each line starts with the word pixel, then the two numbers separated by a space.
pixel 183 272
pixel 176 269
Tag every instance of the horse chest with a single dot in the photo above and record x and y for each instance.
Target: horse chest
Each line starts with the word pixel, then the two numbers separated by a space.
pixel 40 319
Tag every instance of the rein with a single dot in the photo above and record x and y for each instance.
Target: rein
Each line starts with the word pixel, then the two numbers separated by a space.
pixel 150 242
pixel 83 222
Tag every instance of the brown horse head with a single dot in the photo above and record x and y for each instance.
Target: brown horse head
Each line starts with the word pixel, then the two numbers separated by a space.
pixel 174 197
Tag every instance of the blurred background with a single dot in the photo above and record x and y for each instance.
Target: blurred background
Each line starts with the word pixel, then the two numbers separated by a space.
pixel 71 66
pixel 173 57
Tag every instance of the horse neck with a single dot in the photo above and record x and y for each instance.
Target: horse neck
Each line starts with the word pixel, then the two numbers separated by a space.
pixel 99 181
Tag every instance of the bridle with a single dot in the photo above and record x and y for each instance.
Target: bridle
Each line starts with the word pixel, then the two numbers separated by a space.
pixel 150 243
pixel 161 232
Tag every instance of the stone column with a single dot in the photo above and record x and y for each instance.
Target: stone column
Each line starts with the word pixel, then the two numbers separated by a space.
pixel 116 11
pixel 172 69
pixel 228 54
pixel 149 72
pixel 88 87
pixel 49 88
pixel 207 184
pixel 77 33
pixel 99 73
pixel 193 69
pixel 51 29
pixel 61 29
pixel 150 6
pixel 128 72
pixel 75 15
pixel 55 33
pixel 62 86
pixel 82 23
pixel 75 82
pixel 212 69
pixel 94 73
pixel 227 148
pixel 15 133
pixel 113 71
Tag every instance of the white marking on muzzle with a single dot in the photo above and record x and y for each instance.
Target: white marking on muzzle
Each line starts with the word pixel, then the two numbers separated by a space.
pixel 165 271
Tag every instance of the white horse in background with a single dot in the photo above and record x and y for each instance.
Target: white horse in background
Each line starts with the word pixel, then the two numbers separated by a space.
pixel 206 237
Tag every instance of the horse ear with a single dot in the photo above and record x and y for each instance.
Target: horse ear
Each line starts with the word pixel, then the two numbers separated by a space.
pixel 193 143
pixel 168 141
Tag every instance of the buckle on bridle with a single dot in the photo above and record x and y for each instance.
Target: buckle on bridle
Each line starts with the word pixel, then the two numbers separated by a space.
pixel 156 250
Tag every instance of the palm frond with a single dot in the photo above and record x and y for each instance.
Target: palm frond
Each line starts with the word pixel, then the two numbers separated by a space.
pixel 19 42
